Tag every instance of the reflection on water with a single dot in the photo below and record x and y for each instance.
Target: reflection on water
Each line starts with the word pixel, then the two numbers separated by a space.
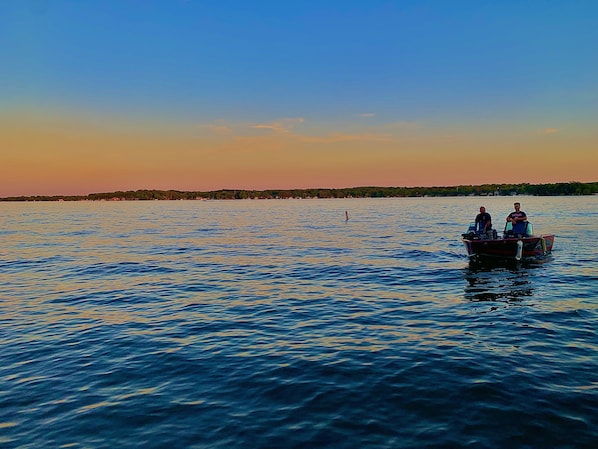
pixel 505 281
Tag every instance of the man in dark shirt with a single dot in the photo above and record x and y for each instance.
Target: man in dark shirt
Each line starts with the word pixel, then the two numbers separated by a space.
pixel 517 215
pixel 483 221
pixel 518 220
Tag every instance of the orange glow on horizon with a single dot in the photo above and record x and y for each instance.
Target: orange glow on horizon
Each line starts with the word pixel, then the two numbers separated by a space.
pixel 73 157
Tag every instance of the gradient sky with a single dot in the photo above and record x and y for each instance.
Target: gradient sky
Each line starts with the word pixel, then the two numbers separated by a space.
pixel 107 95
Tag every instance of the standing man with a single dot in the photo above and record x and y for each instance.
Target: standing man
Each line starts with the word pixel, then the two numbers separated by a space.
pixel 517 216
pixel 483 222
pixel 518 219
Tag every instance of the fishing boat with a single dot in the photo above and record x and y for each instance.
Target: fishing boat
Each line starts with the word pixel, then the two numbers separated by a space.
pixel 517 243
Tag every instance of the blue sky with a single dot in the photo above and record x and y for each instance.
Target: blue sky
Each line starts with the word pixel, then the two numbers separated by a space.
pixel 408 59
pixel 337 65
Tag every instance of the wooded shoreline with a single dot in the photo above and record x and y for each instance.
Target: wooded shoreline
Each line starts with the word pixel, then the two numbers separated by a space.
pixel 557 189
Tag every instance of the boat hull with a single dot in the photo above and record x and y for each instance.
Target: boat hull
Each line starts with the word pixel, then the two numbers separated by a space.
pixel 510 248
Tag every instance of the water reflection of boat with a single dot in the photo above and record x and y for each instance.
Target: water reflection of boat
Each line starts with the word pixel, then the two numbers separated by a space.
pixel 518 243
pixel 508 282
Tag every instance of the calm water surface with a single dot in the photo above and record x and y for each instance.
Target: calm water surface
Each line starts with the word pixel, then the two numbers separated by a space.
pixel 278 324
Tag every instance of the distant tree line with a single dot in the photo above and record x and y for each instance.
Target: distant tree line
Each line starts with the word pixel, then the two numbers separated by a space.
pixel 566 188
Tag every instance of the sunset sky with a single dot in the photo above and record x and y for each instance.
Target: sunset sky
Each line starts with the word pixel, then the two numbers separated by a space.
pixel 105 95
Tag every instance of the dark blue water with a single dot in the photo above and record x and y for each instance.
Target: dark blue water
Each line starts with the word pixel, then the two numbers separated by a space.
pixel 276 324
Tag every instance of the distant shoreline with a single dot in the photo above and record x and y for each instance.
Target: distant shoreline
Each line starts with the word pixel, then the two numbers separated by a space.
pixel 556 189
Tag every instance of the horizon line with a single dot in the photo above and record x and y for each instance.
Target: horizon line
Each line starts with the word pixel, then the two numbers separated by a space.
pixel 456 186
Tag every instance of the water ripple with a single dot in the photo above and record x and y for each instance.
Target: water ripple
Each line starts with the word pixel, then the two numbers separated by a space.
pixel 279 324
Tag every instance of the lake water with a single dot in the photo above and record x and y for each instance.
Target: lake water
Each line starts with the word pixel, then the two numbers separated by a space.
pixel 279 324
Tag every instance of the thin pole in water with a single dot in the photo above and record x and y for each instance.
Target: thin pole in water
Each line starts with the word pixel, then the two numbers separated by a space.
pixel 346 216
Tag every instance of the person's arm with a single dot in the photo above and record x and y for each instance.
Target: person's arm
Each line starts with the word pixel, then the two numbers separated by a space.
pixel 521 217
